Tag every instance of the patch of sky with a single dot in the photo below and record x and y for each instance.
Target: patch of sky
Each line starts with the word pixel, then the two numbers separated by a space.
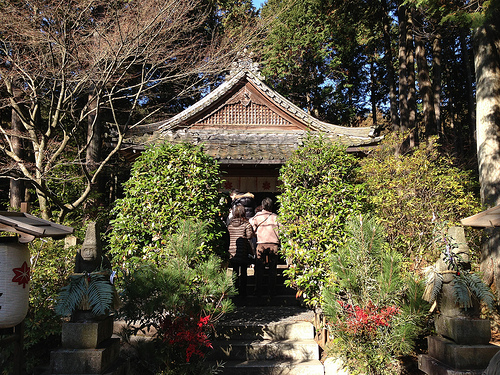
pixel 258 3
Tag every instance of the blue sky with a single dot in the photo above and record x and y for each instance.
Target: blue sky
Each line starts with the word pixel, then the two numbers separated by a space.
pixel 258 3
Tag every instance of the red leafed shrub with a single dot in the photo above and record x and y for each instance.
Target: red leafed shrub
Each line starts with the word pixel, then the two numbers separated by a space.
pixel 365 321
pixel 188 331
pixel 373 307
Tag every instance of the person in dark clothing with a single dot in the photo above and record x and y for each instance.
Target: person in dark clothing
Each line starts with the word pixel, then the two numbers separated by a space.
pixel 240 246
pixel 246 200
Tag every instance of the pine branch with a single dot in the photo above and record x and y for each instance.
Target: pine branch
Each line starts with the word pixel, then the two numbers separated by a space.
pixel 480 290
pixel 461 292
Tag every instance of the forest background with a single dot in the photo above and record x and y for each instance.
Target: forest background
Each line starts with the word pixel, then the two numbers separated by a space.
pixel 75 76
pixel 78 76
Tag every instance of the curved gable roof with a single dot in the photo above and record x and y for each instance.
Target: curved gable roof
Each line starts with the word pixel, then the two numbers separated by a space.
pixel 246 87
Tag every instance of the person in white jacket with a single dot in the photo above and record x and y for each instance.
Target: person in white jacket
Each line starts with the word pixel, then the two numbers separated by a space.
pixel 265 225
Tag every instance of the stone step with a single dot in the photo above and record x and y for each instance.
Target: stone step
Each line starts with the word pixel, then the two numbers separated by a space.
pixel 265 350
pixel 280 288
pixel 256 367
pixel 460 356
pixel 252 331
pixel 276 301
pixel 85 361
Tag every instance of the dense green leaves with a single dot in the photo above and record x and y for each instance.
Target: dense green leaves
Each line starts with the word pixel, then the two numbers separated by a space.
pixel 318 194
pixel 168 183
pixel 317 54
pixel 408 192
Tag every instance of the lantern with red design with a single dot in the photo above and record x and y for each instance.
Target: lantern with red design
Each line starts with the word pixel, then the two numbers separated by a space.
pixel 14 282
pixel 15 261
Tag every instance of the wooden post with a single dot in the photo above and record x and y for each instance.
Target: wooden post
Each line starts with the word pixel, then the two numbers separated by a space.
pixel 25 207
pixel 14 336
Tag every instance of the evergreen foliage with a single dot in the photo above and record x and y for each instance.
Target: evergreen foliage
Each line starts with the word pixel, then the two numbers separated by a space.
pixel 407 192
pixel 168 184
pixel 318 194
pixel 93 289
pixel 177 297
pixel 467 286
pixel 375 311
pixel 71 295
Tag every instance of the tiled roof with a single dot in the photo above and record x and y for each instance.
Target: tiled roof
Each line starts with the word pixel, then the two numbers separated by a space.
pixel 361 133
pixel 244 121
pixel 244 147
pixel 233 147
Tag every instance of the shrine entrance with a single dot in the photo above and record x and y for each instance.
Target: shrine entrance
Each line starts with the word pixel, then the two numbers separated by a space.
pixel 250 130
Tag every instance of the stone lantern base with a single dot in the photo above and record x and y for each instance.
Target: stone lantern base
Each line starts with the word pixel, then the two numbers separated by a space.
pixel 88 348
pixel 461 348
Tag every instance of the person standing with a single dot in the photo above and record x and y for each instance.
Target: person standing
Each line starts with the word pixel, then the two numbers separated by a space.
pixel 240 246
pixel 265 225
pixel 246 200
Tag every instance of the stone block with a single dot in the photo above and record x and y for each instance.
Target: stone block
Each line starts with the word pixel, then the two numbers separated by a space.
pixel 464 330
pixel 460 356
pixel 432 366
pixel 86 335
pixel 85 361
pixel 335 366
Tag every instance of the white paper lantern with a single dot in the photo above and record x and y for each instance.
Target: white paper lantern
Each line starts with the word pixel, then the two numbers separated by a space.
pixel 14 281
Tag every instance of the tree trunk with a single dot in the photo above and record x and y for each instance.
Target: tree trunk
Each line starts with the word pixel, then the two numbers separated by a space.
pixel 424 83
pixel 436 81
pixel 471 111
pixel 373 95
pixel 403 73
pixel 412 92
pixel 94 150
pixel 393 99
pixel 487 66
pixel 94 134
pixel 16 185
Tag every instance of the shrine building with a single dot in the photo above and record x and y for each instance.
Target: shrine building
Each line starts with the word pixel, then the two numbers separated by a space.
pixel 250 129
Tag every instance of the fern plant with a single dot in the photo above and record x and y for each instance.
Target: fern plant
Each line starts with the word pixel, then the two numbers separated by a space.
pixel 466 284
pixel 92 291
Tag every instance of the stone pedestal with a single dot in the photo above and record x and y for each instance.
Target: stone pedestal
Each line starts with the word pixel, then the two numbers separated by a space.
pixel 462 347
pixel 86 335
pixel 88 348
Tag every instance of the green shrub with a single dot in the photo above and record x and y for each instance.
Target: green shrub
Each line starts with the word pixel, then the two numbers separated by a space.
pixel 318 194
pixel 180 298
pixel 168 183
pixel 51 264
pixel 409 192
pixel 374 311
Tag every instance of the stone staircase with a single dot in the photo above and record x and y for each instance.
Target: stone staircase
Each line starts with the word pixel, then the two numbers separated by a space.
pixel 273 336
